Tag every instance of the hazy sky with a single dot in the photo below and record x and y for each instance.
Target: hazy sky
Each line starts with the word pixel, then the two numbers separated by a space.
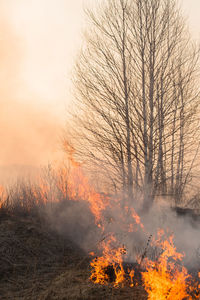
pixel 39 41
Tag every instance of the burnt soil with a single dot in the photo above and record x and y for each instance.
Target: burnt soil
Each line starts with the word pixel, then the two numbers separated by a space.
pixel 38 263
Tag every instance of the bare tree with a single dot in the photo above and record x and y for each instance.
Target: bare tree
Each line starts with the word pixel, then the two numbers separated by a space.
pixel 137 97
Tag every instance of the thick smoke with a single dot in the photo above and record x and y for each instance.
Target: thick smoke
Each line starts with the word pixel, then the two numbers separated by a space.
pixel 29 136
pixel 75 219
pixel 29 131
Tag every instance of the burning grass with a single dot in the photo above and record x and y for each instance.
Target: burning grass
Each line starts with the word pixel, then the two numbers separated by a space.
pixel 166 278
pixel 65 200
pixel 108 267
pixel 162 278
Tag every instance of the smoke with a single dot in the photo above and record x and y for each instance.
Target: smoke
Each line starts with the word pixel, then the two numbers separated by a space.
pixel 75 220
pixel 29 131
pixel 185 229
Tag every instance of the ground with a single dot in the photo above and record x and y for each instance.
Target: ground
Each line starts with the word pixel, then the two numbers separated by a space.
pixel 39 264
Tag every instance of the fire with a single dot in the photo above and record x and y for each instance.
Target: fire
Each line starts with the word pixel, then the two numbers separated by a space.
pixel 135 217
pixel 131 274
pixel 199 278
pixel 165 278
pixel 70 183
pixel 80 188
pixel 110 262
pixel 109 266
pixel 99 274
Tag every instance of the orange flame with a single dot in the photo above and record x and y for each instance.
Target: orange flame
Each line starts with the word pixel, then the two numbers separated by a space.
pixel 199 278
pixel 131 274
pixel 136 218
pixel 113 258
pixel 79 187
pixel 165 279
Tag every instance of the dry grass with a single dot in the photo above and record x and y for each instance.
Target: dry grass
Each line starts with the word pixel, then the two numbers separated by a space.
pixel 38 264
pixel 75 285
pixel 31 255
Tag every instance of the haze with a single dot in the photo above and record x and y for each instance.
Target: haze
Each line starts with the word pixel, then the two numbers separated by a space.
pixel 39 42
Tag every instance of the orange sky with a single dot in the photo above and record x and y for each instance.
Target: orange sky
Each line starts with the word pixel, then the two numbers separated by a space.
pixel 39 42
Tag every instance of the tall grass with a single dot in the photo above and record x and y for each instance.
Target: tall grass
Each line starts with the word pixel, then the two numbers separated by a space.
pixel 26 196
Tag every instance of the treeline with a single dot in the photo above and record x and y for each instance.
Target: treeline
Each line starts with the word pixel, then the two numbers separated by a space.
pixel 137 98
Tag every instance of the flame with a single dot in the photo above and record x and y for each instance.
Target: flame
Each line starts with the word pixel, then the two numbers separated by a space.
pixel 135 217
pixel 112 257
pixel 164 278
pixel 79 187
pixel 99 273
pixel 62 182
pixel 131 274
pixel 199 278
